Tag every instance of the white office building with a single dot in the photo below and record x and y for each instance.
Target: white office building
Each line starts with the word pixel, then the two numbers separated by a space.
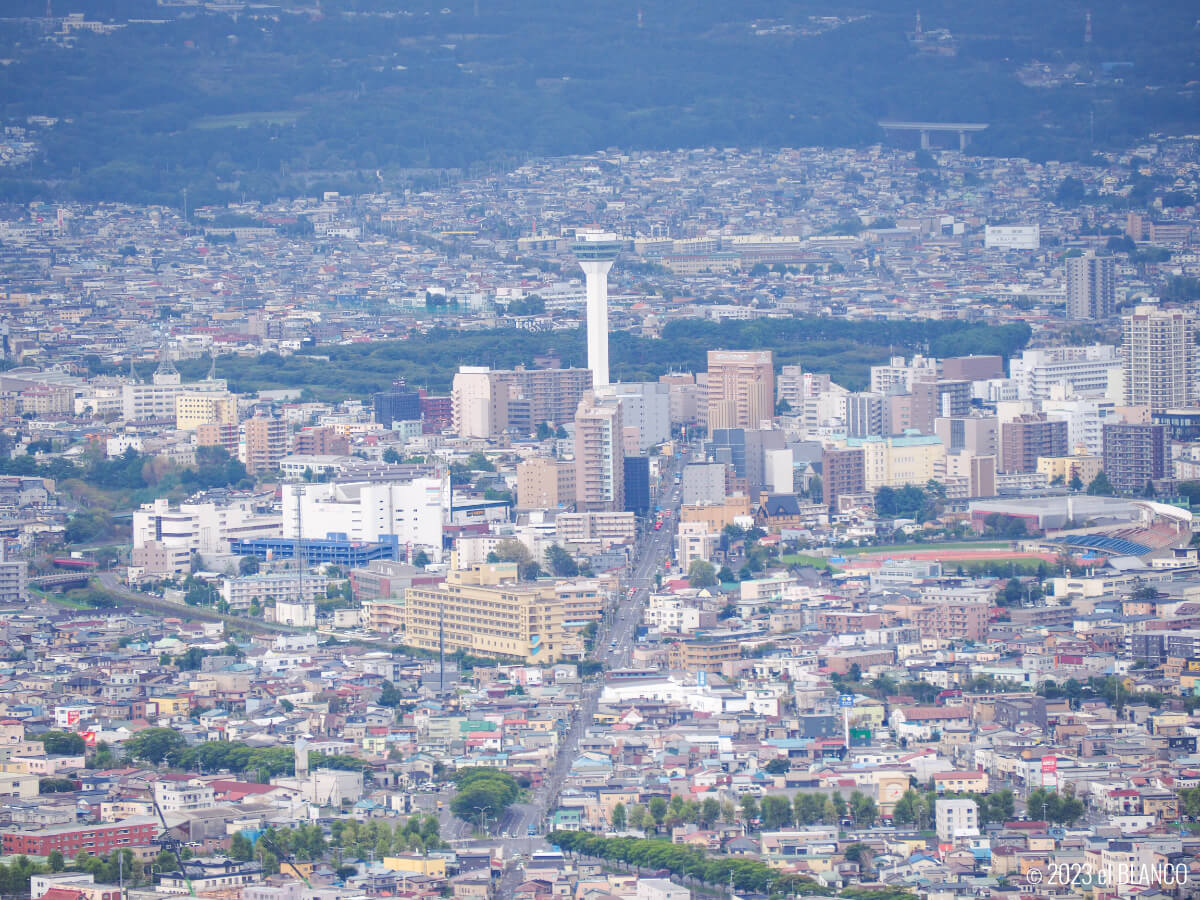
pixel 898 375
pixel 283 588
pixel 413 512
pixel 956 819
pixel 201 527
pixel 1086 371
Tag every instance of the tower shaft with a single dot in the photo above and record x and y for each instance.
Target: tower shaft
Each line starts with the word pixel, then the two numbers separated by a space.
pixel 595 272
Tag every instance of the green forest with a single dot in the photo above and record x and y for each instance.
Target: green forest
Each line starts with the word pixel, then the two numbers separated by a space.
pixel 844 349
pixel 278 101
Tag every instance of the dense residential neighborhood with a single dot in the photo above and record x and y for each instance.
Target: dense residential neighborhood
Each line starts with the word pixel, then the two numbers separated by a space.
pixel 333 565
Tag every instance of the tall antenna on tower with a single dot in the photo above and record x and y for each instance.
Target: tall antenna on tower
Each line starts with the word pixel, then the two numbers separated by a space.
pixel 1087 27
pixel 917 31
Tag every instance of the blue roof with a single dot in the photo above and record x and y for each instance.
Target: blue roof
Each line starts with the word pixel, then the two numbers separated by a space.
pixel 1108 545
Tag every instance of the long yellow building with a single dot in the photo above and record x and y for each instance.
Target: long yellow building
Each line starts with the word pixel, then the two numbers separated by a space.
pixel 484 610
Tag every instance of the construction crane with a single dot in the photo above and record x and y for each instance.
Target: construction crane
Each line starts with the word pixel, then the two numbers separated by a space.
pixel 168 842
pixel 284 857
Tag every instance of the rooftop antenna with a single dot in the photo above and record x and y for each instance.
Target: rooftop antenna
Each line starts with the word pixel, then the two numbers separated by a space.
pixel 165 366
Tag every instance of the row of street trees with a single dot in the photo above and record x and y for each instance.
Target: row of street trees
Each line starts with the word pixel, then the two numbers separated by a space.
pixel 772 812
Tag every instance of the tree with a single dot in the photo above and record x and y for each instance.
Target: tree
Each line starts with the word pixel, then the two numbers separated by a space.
pixel 776 812
pixel 155 745
pixel 658 811
pixel 420 559
pixel 710 811
pixel 725 575
pixel 701 574
pixel 248 565
pixel 240 847
pixel 777 766
pixel 483 793
pixel 637 817
pixel 863 809
pixel 749 806
pixel 389 695
pixel 1101 486
pixel 1075 483
pixel 561 563
pixel 62 743
pixel 54 859
pixel 618 817
pixel 512 550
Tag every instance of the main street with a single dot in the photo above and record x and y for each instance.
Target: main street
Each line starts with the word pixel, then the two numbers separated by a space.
pixel 615 639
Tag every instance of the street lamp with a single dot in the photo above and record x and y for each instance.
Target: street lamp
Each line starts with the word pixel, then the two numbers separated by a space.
pixel 482 810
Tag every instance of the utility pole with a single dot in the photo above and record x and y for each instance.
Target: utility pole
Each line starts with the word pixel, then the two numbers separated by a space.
pixel 442 649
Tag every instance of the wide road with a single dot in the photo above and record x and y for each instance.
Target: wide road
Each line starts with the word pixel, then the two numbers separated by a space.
pixel 615 639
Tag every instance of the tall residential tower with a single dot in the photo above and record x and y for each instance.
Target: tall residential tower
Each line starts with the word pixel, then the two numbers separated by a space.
pixel 596 251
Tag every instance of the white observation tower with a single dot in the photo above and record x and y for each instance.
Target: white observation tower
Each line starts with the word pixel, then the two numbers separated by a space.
pixel 596 251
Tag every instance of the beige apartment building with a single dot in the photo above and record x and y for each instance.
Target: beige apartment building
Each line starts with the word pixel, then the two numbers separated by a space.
pixel 1067 467
pixel 196 408
pixel 1159 355
pixel 716 515
pixel 599 455
pixel 266 443
pixel 740 388
pixel 545 483
pixel 484 610
pixel 478 403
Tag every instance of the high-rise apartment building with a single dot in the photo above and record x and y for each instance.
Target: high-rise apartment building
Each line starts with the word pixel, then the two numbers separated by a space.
pixel 545 483
pixel 218 434
pixel 1159 350
pixel 842 472
pixel 479 402
pixel 1091 287
pixel 741 388
pixel 1134 455
pixel 864 414
pixel 266 443
pixel 1029 436
pixel 935 398
pixel 599 455
pixel 487 402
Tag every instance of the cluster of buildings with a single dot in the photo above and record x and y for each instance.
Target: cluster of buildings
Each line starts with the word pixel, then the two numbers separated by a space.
pixel 426 580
